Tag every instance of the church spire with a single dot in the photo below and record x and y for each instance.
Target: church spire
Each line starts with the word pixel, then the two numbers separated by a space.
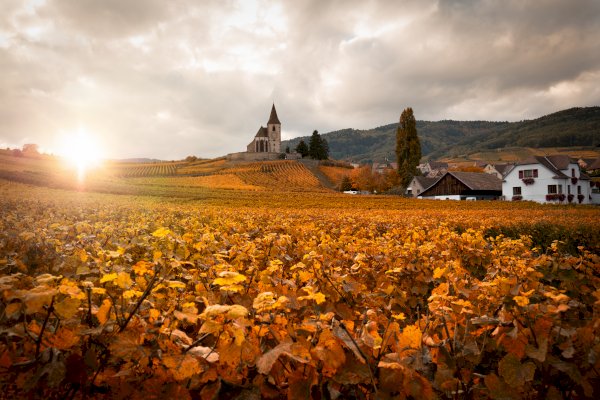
pixel 273 117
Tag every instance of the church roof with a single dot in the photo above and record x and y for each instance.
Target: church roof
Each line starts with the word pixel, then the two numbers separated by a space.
pixel 262 132
pixel 273 117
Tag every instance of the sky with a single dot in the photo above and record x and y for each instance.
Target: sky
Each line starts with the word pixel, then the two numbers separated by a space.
pixel 168 79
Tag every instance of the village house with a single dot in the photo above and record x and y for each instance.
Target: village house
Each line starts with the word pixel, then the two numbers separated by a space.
pixel 418 184
pixel 498 169
pixel 382 167
pixel 547 179
pixel 458 185
pixel 433 168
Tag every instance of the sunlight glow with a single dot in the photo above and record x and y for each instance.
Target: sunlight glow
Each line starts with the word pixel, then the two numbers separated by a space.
pixel 81 151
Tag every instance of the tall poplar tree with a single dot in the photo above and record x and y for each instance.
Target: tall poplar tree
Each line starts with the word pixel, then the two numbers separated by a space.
pixel 408 147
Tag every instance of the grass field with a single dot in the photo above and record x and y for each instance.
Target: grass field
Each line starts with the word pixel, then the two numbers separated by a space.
pixel 252 280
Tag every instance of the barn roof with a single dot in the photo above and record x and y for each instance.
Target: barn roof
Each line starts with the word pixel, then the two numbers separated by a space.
pixel 478 180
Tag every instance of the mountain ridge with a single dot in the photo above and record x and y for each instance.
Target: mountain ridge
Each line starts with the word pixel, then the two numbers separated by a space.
pixel 577 126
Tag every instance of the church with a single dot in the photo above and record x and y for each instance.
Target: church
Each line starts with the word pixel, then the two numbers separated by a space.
pixel 267 139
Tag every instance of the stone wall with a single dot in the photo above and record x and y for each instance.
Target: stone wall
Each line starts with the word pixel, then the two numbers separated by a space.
pixel 253 156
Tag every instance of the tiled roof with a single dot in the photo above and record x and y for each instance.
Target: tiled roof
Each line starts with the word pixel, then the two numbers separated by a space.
pixel 560 161
pixel 478 180
pixel 425 181
pixel 594 165
pixel 273 117
pixel 262 132
pixel 503 168
pixel 437 164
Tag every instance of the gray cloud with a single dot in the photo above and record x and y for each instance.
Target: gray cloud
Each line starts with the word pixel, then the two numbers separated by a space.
pixel 168 79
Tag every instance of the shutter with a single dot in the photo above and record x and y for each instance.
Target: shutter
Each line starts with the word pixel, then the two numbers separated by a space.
pixel 535 175
pixel 520 174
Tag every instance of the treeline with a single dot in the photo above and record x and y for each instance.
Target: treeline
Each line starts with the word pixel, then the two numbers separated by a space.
pixel 317 148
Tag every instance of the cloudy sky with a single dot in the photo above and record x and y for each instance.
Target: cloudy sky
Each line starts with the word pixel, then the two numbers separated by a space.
pixel 166 79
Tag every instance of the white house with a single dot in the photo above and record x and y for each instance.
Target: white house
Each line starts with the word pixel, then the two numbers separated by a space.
pixel 418 184
pixel 547 179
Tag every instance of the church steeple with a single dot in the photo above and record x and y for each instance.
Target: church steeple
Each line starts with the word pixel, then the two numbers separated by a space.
pixel 273 117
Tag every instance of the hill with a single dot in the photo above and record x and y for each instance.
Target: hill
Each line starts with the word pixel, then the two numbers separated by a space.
pixel 449 139
pixel 176 179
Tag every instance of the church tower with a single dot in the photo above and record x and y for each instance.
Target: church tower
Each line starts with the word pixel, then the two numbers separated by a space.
pixel 274 132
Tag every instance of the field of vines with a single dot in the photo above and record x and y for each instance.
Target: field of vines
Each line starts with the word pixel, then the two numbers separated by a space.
pixel 279 175
pixel 147 169
pixel 106 296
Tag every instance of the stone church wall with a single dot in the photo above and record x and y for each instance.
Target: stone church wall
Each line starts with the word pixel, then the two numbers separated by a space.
pixel 244 156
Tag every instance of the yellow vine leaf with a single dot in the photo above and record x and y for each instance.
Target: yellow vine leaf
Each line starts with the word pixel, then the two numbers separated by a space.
pixel 521 300
pixel 229 278
pixel 124 280
pixel 68 307
pixel 318 297
pixel 161 232
pixel 108 277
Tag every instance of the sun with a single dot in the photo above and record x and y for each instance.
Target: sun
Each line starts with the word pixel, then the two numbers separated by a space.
pixel 82 151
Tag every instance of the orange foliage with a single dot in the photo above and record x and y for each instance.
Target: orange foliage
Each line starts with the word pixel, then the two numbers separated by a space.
pixel 106 297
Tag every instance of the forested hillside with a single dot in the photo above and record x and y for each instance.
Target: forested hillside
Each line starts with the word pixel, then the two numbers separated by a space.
pixel 572 127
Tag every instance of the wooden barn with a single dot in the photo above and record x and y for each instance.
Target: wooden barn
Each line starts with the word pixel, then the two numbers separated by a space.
pixel 455 185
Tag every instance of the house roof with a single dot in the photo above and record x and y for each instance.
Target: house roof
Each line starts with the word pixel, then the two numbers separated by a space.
pixel 560 161
pixel 594 165
pixel 502 168
pixel 437 164
pixel 425 181
pixel 273 117
pixel 262 132
pixel 478 180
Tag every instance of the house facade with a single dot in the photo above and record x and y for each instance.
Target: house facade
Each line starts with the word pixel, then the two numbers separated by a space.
pixel 497 169
pixel 418 184
pixel 547 179
pixel 457 185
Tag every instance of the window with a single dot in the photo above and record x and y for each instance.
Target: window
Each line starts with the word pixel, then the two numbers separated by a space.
pixel 555 189
pixel 273 128
pixel 516 190
pixel 528 173
pixel 578 189
pixel 568 189
pixel 572 172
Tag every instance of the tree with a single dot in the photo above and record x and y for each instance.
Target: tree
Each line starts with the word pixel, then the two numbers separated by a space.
pixel 346 183
pixel 302 148
pixel 287 150
pixel 324 148
pixel 318 148
pixel 408 147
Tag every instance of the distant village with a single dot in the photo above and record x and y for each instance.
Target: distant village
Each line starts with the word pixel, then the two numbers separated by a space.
pixel 543 179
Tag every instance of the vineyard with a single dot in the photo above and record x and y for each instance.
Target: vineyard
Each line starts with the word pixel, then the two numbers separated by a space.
pixel 105 296
pixel 202 167
pixel 146 169
pixel 279 175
